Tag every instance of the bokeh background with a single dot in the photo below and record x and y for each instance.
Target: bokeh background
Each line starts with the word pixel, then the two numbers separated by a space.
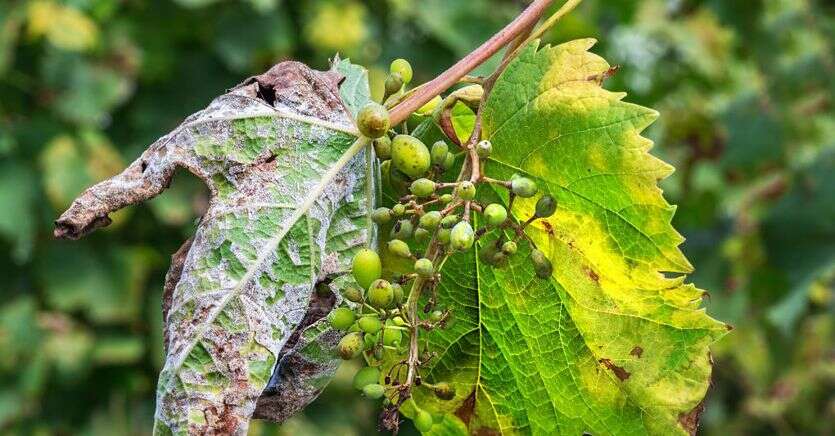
pixel 745 89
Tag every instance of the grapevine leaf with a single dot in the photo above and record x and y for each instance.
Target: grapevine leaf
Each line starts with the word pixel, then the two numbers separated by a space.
pixel 289 205
pixel 609 344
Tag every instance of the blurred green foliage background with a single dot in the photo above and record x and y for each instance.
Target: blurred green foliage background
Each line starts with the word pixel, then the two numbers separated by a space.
pixel 745 89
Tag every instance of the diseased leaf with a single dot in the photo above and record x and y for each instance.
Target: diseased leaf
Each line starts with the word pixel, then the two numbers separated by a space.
pixel 288 208
pixel 609 344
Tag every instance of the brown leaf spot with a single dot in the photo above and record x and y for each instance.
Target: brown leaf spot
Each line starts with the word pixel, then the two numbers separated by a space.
pixel 465 412
pixel 690 420
pixel 592 275
pixel 637 352
pixel 620 373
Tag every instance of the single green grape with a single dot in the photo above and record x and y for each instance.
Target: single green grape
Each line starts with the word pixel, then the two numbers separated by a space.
pixel 350 346
pixel 398 210
pixel 394 83
pixel 402 229
pixel 399 248
pixel 445 199
pixel 444 391
pixel 422 235
pixel 439 152
pixel 443 235
pixel 436 315
pixel 494 215
pixel 449 161
pixel 462 236
pixel 402 67
pixel 380 294
pixel 398 321
pixel 366 267
pixel 410 156
pixel 509 248
pixel 430 220
pixel 422 187
pixel 484 148
pixel 382 147
pixel 392 336
pixel 374 391
pixel 546 206
pixel 523 187
pixel 424 267
pixel 397 291
pixel 353 294
pixel 373 120
pixel 423 421
pixel 541 264
pixel 370 324
pixel 449 221
pixel 369 340
pixel 366 376
pixel 341 318
pixel 385 172
pixel 381 215
pixel 466 190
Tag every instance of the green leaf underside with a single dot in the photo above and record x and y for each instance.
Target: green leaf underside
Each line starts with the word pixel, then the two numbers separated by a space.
pixel 271 231
pixel 608 344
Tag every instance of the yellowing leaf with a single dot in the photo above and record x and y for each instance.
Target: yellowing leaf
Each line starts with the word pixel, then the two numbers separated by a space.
pixel 63 26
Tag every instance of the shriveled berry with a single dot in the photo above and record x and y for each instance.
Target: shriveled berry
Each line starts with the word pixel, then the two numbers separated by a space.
pixel 370 324
pixel 422 235
pixel 424 267
pixel 381 215
pixel 484 148
pixel 449 221
pixel 382 147
pixel 366 376
pixel 462 236
pixel 439 152
pixel 392 336
pixel 353 294
pixel 466 190
pixel 430 220
pixel 393 84
pixel 423 421
pixel 374 391
pixel 523 187
pixel 366 267
pixel 541 264
pixel 373 120
pixel 399 248
pixel 402 229
pixel 546 206
pixel 398 210
pixel 509 248
pixel 380 294
pixel 410 155
pixel 494 215
pixel 444 391
pixel 422 187
pixel 350 346
pixel 341 318
pixel 402 67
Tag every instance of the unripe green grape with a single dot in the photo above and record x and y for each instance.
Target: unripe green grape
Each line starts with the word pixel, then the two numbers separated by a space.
pixel 424 267
pixel 354 328
pixel 449 161
pixel 430 220
pixel 373 120
pixel 410 156
pixel 353 294
pixel 397 290
pixel 402 67
pixel 445 199
pixel 443 236
pixel 439 152
pixel 398 321
pixel 541 264
pixel 380 294
pixel 422 187
pixel 374 391
pixel 466 190
pixel 546 206
pixel 402 229
pixel 341 318
pixel 381 215
pixel 370 324
pixel 509 248
pixel 484 148
pixel 423 421
pixel 462 236
pixel 399 248
pixel 392 336
pixel 436 315
pixel 449 221
pixel 398 210
pixel 444 391
pixel 385 172
pixel 422 235
pixel 369 340
pixel 366 267
pixel 350 346
pixel 523 187
pixel 494 215
pixel 382 147
pixel 366 376
pixel 394 83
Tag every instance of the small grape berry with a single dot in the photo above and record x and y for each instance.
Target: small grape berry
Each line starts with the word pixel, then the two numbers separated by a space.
pixel 341 318
pixel 466 190
pixel 523 187
pixel 402 229
pixel 397 290
pixel 443 236
pixel 394 83
pixel 484 148
pixel 546 206
pixel 353 294
pixel 410 155
pixel 350 346
pixel 449 161
pixel 366 376
pixel 439 152
pixel 541 264
pixel 449 221
pixel 509 248
pixel 373 120
pixel 424 267
pixel 462 236
pixel 422 187
pixel 370 324
pixel 422 235
pixel 495 215
pixel 392 337
pixel 430 220
pixel 398 210
pixel 403 68
pixel 445 199
pixel 444 391
pixel 423 421
pixel 399 248
pixel 374 391
pixel 366 267
pixel 381 215
pixel 436 315
pixel 380 294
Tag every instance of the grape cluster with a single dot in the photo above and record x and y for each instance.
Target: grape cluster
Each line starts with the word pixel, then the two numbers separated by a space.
pixel 431 221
